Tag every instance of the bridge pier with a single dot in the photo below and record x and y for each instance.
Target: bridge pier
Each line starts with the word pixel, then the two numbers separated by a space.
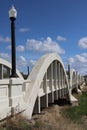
pixel 46 100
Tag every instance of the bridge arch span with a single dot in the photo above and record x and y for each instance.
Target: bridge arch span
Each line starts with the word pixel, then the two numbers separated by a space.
pixel 36 76
pixel 76 80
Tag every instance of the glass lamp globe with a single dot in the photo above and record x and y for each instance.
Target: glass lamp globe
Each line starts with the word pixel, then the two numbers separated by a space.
pixel 12 12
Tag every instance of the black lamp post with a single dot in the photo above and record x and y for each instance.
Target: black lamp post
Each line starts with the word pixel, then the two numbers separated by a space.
pixel 12 16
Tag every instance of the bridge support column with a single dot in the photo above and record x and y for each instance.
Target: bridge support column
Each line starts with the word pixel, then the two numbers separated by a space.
pixel 55 81
pixel 45 85
pixel 39 104
pixel 59 81
pixel 51 84
pixel 62 82
pixel 37 107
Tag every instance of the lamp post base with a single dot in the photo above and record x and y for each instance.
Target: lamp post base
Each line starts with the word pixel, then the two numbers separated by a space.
pixel 14 76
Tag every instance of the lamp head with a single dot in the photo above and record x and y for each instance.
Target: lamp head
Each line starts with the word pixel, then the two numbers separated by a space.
pixel 12 13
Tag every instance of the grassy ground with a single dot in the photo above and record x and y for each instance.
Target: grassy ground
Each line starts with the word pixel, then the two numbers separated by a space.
pixel 50 119
pixel 55 117
pixel 78 114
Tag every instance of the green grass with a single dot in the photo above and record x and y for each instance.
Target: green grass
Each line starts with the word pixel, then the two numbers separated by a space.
pixel 77 112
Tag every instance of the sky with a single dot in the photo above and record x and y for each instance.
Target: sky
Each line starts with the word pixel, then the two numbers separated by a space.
pixel 44 26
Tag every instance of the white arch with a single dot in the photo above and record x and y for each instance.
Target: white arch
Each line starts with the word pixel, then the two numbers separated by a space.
pixel 7 64
pixel 36 77
pixel 73 76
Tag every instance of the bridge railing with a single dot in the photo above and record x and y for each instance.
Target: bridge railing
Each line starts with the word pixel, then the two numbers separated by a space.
pixel 5 70
pixel 47 82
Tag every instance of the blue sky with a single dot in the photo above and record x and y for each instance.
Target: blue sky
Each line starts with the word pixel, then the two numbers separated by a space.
pixel 44 26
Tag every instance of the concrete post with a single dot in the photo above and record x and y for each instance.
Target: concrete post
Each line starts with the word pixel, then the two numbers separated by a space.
pixel 55 80
pixel 52 82
pixel 39 104
pixel 45 85
pixel 15 94
pixel 59 80
pixel 62 75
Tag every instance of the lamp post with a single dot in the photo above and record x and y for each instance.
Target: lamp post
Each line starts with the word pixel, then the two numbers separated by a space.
pixel 12 16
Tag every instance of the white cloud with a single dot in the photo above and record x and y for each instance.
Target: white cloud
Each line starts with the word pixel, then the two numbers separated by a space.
pixel 21 62
pixel 84 54
pixel 32 62
pixel 71 60
pixel 61 38
pixel 24 29
pixel 47 45
pixel 5 39
pixel 81 58
pixel 23 59
pixel 83 42
pixel 79 63
pixel 20 48
pixel 5 56
pixel 9 47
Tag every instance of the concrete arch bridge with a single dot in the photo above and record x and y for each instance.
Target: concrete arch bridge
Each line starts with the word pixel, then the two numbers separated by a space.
pixel 48 81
